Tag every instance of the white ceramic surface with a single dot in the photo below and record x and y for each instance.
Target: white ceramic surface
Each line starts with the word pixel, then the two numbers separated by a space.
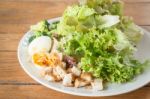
pixel 112 89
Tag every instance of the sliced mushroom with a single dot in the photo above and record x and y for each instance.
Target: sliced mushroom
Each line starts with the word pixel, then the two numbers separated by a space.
pixel 76 71
pixel 68 80
pixel 70 61
pixel 97 84
pixel 61 71
pixel 86 76
pixel 80 83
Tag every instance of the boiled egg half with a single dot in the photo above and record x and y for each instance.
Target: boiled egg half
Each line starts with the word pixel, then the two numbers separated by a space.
pixel 40 44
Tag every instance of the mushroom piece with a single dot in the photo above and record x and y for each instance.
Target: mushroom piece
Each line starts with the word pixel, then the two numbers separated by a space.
pixel 80 83
pixel 70 61
pixel 86 76
pixel 61 71
pixel 76 71
pixel 97 84
pixel 68 80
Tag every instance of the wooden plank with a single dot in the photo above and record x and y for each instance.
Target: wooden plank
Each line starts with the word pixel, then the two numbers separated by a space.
pixel 129 1
pixel 29 12
pixel 32 12
pixel 135 1
pixel 9 41
pixel 38 92
pixel 14 28
pixel 139 12
pixel 10 70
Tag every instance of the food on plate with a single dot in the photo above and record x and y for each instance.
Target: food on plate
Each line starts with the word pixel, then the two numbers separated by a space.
pixel 40 44
pixel 97 84
pixel 41 59
pixel 68 80
pixel 80 83
pixel 92 44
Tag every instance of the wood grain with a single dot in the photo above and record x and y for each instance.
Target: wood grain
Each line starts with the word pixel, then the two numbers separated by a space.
pixel 10 70
pixel 32 12
pixel 73 1
pixel 16 16
pixel 41 92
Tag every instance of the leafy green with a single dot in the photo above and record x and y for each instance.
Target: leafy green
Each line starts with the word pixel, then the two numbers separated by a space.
pixel 31 38
pixel 42 28
pixel 84 12
pixel 111 68
pixel 105 6
pixel 81 18
pixel 102 39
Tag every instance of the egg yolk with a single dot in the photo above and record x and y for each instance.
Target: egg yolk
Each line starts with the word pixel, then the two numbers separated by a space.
pixel 41 59
pixel 44 59
pixel 54 60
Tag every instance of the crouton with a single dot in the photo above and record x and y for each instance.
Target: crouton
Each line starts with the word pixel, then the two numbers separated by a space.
pixel 86 76
pixel 61 72
pixel 56 74
pixel 51 77
pixel 80 83
pixel 68 80
pixel 45 71
pixel 76 71
pixel 97 84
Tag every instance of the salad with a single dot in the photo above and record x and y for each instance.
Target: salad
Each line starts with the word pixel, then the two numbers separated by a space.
pixel 92 44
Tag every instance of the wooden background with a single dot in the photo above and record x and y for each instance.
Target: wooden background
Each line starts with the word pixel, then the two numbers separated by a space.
pixel 16 16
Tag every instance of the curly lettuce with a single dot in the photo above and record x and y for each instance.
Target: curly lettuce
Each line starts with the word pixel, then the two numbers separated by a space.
pixel 43 28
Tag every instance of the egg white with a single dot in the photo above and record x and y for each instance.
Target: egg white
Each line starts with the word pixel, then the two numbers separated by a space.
pixel 40 44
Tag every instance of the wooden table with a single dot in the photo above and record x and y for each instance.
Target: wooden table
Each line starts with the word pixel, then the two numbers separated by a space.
pixel 16 16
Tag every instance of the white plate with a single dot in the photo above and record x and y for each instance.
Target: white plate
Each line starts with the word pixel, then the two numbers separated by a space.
pixel 112 89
